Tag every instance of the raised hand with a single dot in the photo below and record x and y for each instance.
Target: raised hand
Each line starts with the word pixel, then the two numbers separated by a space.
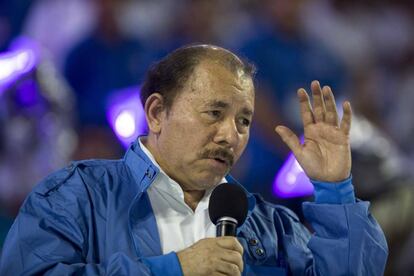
pixel 325 154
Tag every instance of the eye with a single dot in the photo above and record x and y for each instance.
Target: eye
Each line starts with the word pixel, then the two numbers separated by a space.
pixel 244 122
pixel 214 113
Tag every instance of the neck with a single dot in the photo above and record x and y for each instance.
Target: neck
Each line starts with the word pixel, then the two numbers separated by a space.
pixel 192 198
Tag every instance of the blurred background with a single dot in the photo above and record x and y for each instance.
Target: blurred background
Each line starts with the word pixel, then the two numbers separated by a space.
pixel 70 72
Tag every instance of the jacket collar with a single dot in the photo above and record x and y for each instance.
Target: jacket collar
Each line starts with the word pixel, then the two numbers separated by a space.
pixel 143 170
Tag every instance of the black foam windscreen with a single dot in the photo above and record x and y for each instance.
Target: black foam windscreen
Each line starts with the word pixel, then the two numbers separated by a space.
pixel 228 200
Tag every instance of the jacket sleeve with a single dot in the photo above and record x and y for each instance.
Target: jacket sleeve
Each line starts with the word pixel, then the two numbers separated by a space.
pixel 48 239
pixel 347 239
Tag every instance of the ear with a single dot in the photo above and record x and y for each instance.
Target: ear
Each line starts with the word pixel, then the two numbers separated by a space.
pixel 155 112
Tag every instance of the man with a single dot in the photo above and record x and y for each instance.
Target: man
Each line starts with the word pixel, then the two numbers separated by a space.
pixel 147 213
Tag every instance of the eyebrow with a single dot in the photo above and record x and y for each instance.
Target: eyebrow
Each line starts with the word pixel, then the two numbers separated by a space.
pixel 220 104
pixel 247 112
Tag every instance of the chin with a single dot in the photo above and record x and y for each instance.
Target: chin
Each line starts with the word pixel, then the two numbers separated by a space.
pixel 208 183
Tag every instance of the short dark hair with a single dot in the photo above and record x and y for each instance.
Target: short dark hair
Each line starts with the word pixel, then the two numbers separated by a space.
pixel 169 75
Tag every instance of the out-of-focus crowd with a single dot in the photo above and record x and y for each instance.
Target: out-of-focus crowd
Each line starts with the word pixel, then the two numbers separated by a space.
pixel 86 50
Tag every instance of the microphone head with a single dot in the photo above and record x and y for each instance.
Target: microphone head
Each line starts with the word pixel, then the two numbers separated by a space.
pixel 228 200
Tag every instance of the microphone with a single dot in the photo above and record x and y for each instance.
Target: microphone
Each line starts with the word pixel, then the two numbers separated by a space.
pixel 227 208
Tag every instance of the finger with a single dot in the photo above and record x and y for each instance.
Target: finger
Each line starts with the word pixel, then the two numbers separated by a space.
pixel 227 268
pixel 290 139
pixel 233 257
pixel 305 108
pixel 331 115
pixel 318 102
pixel 346 118
pixel 230 243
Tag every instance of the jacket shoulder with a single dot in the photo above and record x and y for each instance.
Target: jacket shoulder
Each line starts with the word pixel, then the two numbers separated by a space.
pixel 78 174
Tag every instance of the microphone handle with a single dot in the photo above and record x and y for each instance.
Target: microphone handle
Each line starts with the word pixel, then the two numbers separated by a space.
pixel 226 228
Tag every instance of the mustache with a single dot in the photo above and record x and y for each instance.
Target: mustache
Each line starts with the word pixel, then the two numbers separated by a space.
pixel 219 153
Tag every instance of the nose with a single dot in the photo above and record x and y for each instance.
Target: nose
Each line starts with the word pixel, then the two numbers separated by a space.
pixel 227 133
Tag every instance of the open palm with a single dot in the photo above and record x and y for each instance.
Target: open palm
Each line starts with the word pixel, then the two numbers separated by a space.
pixel 325 154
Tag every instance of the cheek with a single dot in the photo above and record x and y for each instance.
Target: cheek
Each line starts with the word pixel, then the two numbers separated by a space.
pixel 242 146
pixel 191 129
pixel 186 138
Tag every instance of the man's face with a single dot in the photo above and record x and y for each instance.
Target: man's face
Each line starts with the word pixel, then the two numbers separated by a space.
pixel 207 127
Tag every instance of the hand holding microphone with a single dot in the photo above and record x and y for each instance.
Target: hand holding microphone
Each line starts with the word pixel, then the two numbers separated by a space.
pixel 224 254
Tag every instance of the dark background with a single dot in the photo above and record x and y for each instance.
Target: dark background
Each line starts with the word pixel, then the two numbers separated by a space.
pixel 87 50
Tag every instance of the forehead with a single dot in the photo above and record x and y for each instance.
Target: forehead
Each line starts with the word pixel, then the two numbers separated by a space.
pixel 212 83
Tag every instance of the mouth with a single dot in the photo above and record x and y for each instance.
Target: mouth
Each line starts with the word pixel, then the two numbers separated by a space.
pixel 219 163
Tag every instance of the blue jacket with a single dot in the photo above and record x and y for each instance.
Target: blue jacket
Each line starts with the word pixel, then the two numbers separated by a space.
pixel 94 217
